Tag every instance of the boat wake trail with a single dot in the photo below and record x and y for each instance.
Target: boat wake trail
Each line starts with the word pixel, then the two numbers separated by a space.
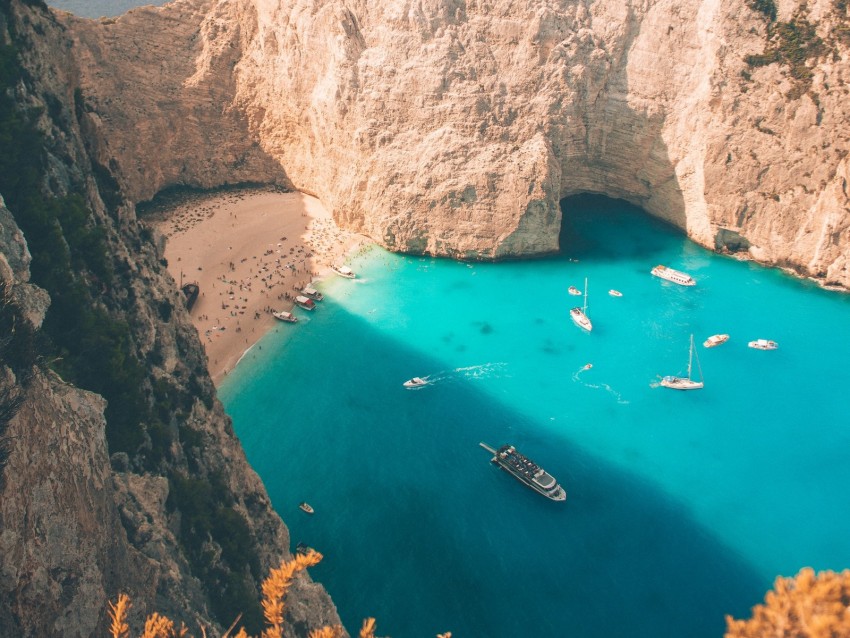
pixel 483 371
pixel 480 371
pixel 598 386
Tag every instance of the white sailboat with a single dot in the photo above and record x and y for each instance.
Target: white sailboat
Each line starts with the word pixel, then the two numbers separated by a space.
pixel 685 383
pixel 579 315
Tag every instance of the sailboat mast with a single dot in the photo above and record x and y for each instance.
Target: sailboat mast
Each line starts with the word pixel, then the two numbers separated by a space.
pixel 690 357
pixel 585 296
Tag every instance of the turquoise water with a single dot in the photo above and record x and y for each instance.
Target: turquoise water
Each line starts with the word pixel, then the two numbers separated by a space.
pixel 682 506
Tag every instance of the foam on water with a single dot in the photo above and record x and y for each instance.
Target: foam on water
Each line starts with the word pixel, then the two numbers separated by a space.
pixel 682 506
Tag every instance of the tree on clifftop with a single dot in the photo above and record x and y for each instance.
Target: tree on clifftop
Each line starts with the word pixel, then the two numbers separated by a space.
pixel 807 606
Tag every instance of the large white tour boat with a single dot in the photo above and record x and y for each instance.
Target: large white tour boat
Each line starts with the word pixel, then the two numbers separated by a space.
pixel 526 471
pixel 312 293
pixel 305 302
pixel 282 315
pixel 344 271
pixel 676 276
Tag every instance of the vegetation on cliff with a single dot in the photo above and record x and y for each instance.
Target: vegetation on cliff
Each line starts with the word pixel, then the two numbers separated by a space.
pixel 89 335
pixel 806 606
pixel 274 589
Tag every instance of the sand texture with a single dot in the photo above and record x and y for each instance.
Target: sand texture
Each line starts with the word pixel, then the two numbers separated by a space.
pixel 250 252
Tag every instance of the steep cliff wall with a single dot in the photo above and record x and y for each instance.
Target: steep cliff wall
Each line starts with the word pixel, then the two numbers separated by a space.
pixel 455 127
pixel 149 493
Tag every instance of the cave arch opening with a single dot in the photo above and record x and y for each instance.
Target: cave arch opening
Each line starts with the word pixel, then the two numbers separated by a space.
pixel 610 228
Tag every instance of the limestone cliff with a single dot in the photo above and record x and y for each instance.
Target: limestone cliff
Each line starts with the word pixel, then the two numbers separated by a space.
pixel 456 126
pixel 148 493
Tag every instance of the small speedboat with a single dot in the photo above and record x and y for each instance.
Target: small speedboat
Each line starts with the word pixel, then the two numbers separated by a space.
pixel 306 507
pixel 284 316
pixel 587 366
pixel 305 302
pixel 574 291
pixel 415 382
pixel 344 271
pixel 763 344
pixel 615 293
pixel 715 340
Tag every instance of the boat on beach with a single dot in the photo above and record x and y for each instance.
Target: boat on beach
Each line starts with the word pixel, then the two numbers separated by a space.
pixel 574 291
pixel 685 383
pixel 715 340
pixel 312 293
pixel 676 276
pixel 579 315
pixel 305 302
pixel 615 293
pixel 344 271
pixel 526 471
pixel 306 507
pixel 415 382
pixel 763 344
pixel 284 316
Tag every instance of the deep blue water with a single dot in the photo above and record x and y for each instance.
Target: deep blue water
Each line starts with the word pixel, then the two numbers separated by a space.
pixel 682 506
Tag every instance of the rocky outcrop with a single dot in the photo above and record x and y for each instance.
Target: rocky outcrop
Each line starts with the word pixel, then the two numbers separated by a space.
pixel 80 523
pixel 455 126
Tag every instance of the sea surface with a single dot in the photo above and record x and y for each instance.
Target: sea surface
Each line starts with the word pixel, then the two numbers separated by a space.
pixel 682 506
pixel 101 8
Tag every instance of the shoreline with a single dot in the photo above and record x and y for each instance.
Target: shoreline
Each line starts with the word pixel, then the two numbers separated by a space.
pixel 250 251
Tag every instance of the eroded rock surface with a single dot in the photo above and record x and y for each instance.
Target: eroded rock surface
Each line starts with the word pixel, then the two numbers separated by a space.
pixel 455 127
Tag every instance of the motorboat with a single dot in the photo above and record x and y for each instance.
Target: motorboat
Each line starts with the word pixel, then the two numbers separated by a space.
pixel 715 340
pixel 615 293
pixel 344 271
pixel 685 383
pixel 574 291
pixel 305 302
pixel 306 507
pixel 526 472
pixel 763 344
pixel 415 382
pixel 676 276
pixel 312 293
pixel 284 316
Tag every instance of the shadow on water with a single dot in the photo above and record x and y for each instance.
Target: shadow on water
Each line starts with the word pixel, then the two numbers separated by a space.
pixel 623 235
pixel 420 531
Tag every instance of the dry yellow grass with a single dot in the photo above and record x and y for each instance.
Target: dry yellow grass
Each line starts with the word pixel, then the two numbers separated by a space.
pixel 808 606
pixel 274 589
pixel 118 614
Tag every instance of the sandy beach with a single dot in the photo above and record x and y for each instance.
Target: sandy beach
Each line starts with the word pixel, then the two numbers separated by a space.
pixel 250 251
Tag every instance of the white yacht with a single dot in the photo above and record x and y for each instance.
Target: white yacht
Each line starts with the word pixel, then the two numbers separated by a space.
pixel 284 316
pixel 676 276
pixel 615 293
pixel 763 344
pixel 685 383
pixel 715 340
pixel 415 382
pixel 574 291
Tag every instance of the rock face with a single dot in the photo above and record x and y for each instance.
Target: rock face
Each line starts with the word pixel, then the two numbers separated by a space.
pixel 455 126
pixel 78 526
